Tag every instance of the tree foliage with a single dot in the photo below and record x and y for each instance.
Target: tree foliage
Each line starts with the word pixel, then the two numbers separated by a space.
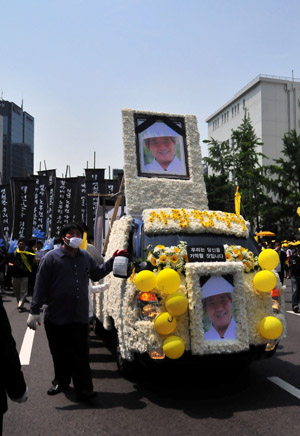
pixel 237 161
pixel 284 184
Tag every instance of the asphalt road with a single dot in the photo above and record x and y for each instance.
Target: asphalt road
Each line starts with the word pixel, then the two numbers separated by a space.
pixel 187 401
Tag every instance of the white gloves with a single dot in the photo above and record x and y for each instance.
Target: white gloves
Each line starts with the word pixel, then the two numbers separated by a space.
pixel 33 320
pixel 99 288
pixel 23 398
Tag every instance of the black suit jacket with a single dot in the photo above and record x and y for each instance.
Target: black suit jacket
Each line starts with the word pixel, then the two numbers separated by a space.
pixel 12 381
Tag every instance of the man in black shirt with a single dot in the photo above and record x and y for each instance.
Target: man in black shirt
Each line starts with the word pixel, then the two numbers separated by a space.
pixel 62 284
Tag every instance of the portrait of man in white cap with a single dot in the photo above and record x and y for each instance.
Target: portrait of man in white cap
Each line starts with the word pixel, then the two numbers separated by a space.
pixel 164 146
pixel 217 305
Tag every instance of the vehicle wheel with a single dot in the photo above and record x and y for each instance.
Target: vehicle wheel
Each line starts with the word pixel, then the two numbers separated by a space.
pixel 98 328
pixel 126 368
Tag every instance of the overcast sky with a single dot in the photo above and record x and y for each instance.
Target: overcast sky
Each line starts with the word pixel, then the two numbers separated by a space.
pixel 78 63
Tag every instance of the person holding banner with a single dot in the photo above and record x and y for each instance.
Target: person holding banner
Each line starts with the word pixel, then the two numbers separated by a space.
pixel 21 263
pixel 62 284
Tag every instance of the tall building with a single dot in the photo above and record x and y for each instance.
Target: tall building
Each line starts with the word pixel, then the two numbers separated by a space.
pixel 16 142
pixel 273 104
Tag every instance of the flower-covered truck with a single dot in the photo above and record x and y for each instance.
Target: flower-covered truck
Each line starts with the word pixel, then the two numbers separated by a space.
pixel 197 285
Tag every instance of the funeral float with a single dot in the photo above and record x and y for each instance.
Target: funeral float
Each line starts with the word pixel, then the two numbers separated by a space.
pixel 196 284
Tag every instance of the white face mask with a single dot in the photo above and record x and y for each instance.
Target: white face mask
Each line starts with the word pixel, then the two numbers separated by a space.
pixel 74 242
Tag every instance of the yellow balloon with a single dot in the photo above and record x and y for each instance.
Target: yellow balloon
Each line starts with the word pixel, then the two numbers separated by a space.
pixel 270 327
pixel 176 303
pixel 165 323
pixel 264 281
pixel 173 347
pixel 145 281
pixel 168 280
pixel 268 259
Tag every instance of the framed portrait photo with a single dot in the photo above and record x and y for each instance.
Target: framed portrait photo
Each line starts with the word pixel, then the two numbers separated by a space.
pixel 161 147
pixel 219 316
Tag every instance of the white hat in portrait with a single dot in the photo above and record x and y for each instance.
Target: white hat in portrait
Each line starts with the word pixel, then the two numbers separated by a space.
pixel 216 285
pixel 156 130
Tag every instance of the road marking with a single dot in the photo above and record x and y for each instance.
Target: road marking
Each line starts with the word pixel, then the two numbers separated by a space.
pixel 292 312
pixel 26 347
pixel 286 386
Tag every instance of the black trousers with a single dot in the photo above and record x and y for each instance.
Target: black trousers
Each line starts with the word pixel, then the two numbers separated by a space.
pixel 69 346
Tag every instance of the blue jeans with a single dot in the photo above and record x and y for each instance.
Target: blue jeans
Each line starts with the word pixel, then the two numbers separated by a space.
pixel 295 282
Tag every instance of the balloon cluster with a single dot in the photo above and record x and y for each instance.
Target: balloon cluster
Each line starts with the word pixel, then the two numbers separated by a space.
pixel 265 280
pixel 167 281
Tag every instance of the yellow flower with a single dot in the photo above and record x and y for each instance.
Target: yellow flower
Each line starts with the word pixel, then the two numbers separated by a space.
pixel 240 257
pixel 160 246
pixel 174 258
pixel 176 249
pixel 228 256
pixel 153 261
pixel 185 257
pixel 248 265
pixel 163 258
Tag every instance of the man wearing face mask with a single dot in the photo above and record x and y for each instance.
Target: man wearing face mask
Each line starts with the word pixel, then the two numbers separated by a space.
pixel 62 285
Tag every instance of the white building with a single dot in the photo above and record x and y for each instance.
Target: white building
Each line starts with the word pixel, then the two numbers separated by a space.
pixel 273 104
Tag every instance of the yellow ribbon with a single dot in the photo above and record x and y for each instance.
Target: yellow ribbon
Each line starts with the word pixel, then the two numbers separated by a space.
pixel 83 245
pixel 24 258
pixel 237 201
pixel 131 278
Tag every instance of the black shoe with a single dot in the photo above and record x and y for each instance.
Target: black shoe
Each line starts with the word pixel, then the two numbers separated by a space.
pixel 86 395
pixel 57 389
pixel 21 309
pixel 296 308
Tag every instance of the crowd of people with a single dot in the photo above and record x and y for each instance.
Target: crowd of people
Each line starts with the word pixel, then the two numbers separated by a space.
pixel 288 267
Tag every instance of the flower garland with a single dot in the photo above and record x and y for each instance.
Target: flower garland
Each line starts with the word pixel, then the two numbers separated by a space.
pixel 237 253
pixel 174 257
pixel 194 221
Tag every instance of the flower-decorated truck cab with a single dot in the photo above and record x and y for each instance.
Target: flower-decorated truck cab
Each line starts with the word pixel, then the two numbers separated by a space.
pixel 198 285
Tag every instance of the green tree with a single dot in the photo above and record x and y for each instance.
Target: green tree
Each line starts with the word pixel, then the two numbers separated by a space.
pixel 284 184
pixel 238 162
pixel 248 172
pixel 219 188
pixel 219 193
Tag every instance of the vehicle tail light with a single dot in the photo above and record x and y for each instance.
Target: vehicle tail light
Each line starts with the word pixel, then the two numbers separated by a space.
pixel 156 355
pixel 147 306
